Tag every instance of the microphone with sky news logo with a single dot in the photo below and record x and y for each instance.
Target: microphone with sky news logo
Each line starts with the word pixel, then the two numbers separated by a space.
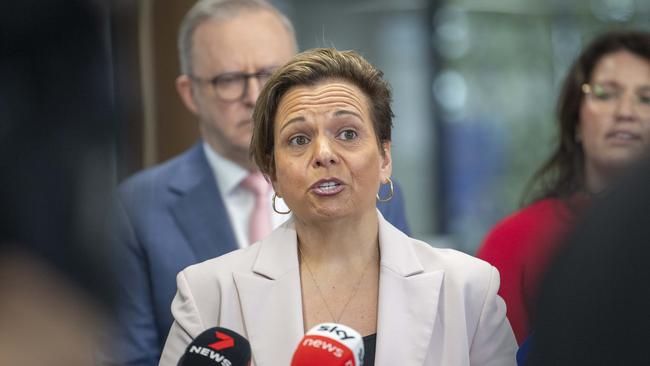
pixel 329 344
pixel 217 347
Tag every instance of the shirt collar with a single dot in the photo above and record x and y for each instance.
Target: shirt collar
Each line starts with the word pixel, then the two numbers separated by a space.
pixel 228 174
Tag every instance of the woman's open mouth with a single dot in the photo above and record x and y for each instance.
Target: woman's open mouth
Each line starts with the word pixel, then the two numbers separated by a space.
pixel 327 187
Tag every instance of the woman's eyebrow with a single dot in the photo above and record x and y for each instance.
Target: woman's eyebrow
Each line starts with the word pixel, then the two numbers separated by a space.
pixel 291 121
pixel 344 112
pixel 608 82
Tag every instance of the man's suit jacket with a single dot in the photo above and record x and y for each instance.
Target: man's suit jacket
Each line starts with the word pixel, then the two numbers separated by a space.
pixel 436 306
pixel 169 217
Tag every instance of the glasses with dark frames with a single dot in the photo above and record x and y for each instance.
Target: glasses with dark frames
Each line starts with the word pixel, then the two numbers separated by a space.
pixel 232 86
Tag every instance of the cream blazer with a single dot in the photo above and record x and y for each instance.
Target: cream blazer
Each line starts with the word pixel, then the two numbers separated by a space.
pixel 436 306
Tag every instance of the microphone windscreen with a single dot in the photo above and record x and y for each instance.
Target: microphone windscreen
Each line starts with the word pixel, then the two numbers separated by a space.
pixel 329 344
pixel 217 347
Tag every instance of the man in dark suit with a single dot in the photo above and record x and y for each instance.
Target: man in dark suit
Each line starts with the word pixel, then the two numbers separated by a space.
pixel 196 206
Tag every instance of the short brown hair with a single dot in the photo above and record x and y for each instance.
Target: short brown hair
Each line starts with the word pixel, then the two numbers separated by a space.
pixel 309 68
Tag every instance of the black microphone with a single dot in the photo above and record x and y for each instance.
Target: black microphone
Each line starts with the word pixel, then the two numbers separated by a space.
pixel 217 347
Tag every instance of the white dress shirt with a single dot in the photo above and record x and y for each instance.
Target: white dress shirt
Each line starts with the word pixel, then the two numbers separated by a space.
pixel 239 201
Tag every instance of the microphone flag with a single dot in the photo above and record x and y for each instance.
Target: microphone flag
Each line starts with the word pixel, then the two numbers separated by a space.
pixel 329 344
pixel 217 347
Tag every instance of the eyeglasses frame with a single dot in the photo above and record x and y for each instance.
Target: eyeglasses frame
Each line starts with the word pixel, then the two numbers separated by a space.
pixel 243 76
pixel 591 89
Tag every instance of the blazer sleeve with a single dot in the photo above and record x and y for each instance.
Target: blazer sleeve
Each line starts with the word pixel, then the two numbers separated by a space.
pixel 493 343
pixel 187 323
pixel 393 210
pixel 135 341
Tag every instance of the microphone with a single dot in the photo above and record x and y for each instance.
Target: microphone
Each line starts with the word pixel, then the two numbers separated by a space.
pixel 217 347
pixel 329 344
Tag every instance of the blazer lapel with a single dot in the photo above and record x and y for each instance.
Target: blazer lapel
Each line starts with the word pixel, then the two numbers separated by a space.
pixel 275 328
pixel 199 210
pixel 408 301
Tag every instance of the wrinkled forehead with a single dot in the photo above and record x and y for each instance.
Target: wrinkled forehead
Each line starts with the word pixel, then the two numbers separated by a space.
pixel 325 96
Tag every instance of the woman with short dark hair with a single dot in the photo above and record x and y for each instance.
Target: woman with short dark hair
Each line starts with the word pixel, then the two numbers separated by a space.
pixel 322 136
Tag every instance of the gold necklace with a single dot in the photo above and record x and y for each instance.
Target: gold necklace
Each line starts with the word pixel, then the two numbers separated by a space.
pixel 320 292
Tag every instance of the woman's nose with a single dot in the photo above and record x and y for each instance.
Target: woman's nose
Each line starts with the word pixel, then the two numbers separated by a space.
pixel 324 156
pixel 625 107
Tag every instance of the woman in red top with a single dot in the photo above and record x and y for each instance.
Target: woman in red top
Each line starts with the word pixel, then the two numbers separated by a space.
pixel 604 126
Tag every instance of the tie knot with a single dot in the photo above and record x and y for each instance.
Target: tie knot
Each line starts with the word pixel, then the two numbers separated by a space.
pixel 257 184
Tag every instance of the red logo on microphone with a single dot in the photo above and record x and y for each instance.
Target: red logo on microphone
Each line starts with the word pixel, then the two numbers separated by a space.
pixel 224 341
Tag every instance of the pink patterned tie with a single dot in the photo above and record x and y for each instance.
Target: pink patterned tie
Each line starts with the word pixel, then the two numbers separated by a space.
pixel 259 224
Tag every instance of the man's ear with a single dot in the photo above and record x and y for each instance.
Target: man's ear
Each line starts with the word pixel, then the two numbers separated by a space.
pixel 186 92
pixel 386 167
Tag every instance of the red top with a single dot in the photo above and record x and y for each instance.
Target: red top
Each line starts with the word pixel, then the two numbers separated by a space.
pixel 520 247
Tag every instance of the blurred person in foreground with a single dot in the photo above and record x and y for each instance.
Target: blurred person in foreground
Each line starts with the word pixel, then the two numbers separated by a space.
pixel 211 199
pixel 604 127
pixel 593 303
pixel 56 141
pixel 322 136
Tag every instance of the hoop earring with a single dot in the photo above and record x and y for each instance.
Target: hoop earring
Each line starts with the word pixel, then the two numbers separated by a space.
pixel 390 193
pixel 275 209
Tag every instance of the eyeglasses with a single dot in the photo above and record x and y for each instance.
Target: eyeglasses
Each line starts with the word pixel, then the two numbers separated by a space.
pixel 611 95
pixel 232 86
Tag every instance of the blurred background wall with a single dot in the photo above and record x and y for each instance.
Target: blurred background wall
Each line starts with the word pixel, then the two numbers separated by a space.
pixel 474 82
